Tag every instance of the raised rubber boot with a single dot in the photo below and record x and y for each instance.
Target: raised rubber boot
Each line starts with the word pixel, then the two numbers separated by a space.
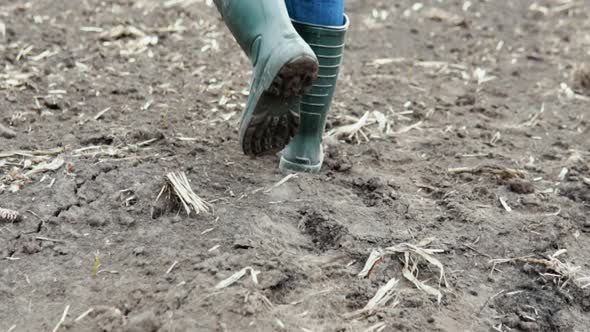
pixel 304 153
pixel 284 67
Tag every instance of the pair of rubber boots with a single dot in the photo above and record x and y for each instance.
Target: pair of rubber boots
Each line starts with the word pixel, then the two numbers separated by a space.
pixel 295 66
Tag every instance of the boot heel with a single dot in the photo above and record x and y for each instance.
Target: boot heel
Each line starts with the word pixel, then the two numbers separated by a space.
pixel 295 78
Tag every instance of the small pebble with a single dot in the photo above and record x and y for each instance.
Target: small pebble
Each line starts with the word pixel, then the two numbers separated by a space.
pixel 7 132
pixel 512 320
pixel 528 326
pixel 139 251
pixel 96 221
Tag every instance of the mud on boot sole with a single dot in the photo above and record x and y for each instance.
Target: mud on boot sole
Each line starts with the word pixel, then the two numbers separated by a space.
pixel 274 121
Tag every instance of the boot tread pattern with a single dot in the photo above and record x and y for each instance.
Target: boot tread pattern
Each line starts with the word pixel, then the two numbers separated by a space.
pixel 270 130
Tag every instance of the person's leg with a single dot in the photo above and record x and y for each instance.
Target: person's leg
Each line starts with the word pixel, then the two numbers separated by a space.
pixel 321 12
pixel 304 153
pixel 284 67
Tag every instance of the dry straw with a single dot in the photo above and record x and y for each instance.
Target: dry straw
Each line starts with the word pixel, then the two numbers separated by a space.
pixel 177 185
pixel 564 272
pixel 413 254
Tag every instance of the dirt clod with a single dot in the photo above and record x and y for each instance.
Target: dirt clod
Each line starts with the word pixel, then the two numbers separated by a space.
pixel 521 187
pixel 324 231
pixel 7 132
pixel 143 322
pixel 577 193
pixel 581 78
pixel 375 191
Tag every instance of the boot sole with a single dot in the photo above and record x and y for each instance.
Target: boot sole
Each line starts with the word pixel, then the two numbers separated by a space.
pixel 287 166
pixel 275 120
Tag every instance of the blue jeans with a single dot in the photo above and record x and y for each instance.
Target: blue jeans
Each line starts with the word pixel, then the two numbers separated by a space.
pixel 320 12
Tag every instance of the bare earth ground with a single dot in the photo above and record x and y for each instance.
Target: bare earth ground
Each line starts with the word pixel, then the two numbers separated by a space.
pixel 125 91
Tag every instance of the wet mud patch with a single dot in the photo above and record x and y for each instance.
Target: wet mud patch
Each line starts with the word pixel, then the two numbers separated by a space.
pixel 325 232
pixel 537 305
pixel 577 193
pixel 461 211
pixel 337 161
pixel 278 286
pixel 375 191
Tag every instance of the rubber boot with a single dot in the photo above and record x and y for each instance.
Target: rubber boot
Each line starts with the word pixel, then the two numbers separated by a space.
pixel 304 153
pixel 284 67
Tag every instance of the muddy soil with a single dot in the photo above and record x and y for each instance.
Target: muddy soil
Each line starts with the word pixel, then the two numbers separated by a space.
pixel 477 138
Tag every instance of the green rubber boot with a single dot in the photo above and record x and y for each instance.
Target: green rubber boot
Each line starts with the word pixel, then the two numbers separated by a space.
pixel 284 68
pixel 304 153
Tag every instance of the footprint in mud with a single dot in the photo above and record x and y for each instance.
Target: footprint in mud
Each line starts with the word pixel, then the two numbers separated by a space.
pixel 580 219
pixel 457 210
pixel 22 245
pixel 336 161
pixel 375 191
pixel 539 307
pixel 577 193
pixel 325 232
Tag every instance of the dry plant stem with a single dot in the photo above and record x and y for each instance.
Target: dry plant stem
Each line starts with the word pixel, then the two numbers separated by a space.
pixel 376 328
pixel 501 171
pixel 180 3
pixel 383 295
pixel 237 276
pixel 101 113
pixel 534 119
pixel 83 315
pixel 351 130
pixel 410 272
pixel 505 204
pixel 406 129
pixel 374 257
pixel 53 165
pixel 424 253
pixel 281 182
pixel 42 238
pixel 564 270
pixel 171 267
pixel 178 184
pixel 62 320
pixel 51 160
pixel 22 153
